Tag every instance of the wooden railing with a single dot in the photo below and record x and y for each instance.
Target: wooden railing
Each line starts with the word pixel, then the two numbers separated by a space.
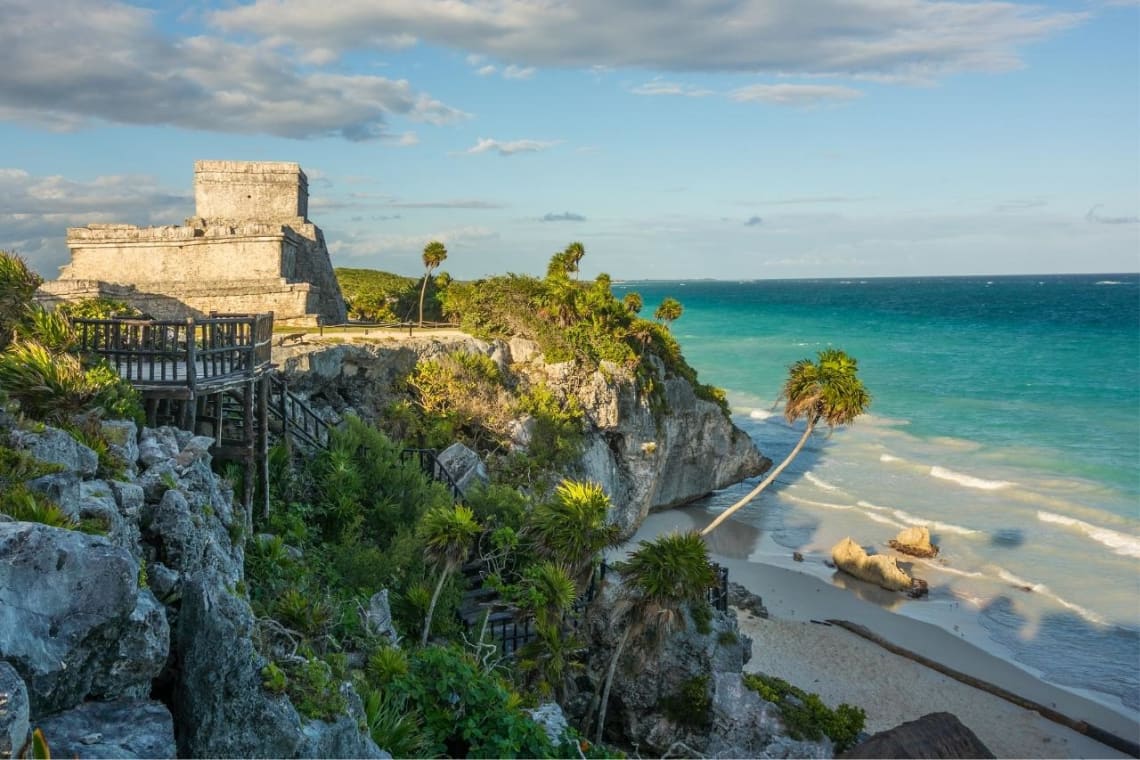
pixel 297 418
pixel 191 353
pixel 429 463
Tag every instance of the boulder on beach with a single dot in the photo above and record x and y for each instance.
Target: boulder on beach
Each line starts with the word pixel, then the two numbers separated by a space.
pixel 877 568
pixel 915 542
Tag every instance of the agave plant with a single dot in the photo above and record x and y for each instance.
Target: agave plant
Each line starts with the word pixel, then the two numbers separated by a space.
pixel 48 386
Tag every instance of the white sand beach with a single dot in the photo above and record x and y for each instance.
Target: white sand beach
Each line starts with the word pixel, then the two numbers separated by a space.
pixel 843 667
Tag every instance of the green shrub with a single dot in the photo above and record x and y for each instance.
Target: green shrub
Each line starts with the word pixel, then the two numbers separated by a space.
pixel 18 502
pixel 702 617
pixel 805 715
pixel 692 704
pixel 393 724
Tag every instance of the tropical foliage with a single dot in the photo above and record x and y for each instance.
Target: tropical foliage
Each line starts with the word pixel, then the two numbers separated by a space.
pixel 828 390
pixel 373 296
pixel 806 716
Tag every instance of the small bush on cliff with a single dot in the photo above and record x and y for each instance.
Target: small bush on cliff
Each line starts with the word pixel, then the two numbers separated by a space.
pixel 805 715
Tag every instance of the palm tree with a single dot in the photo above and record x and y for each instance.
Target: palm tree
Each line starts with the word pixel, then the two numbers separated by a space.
pixel 572 527
pixel 669 310
pixel 633 301
pixel 574 253
pixel 434 255
pixel 448 533
pixel 660 578
pixel 829 390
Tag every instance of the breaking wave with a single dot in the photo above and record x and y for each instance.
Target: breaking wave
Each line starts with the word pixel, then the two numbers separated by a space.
pixel 969 481
pixel 1120 543
pixel 1041 588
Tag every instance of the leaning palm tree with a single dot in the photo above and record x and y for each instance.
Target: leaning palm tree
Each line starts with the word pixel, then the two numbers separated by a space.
pixel 448 535
pixel 668 311
pixel 827 390
pixel 434 255
pixel 659 579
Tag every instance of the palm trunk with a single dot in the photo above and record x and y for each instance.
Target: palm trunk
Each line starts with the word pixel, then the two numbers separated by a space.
pixel 431 607
pixel 423 289
pixel 609 683
pixel 766 482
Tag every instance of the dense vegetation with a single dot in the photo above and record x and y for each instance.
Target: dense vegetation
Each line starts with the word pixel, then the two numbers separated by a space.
pixel 373 296
pixel 805 715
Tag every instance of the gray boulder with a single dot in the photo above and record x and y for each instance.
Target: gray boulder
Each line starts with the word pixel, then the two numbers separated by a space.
pixel 122 442
pixel 464 466
pixel 60 487
pixel 157 445
pixel 97 502
pixel 68 602
pixel 378 618
pixel 14 726
pixel 56 447
pixel 119 729
pixel 549 716
pixel 190 540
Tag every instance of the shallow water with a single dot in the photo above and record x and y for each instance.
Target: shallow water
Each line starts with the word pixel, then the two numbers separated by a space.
pixel 1006 416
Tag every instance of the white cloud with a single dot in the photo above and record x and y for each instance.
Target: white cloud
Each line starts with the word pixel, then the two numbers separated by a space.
pixel 119 68
pixel 409 245
pixel 794 94
pixel 660 87
pixel 511 147
pixel 486 71
pixel 518 72
pixel 897 39
pixel 35 212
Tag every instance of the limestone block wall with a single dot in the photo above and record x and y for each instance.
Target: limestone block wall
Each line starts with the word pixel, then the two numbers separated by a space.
pixel 250 190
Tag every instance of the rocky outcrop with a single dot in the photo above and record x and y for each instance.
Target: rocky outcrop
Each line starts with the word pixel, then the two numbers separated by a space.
pixel 934 735
pixel 92 625
pixel 645 458
pixel 118 729
pixel 879 569
pixel 915 542
pixel 691 700
pixel 76 625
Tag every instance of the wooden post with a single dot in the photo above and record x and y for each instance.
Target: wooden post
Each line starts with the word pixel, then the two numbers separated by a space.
pixel 249 452
pixel 263 441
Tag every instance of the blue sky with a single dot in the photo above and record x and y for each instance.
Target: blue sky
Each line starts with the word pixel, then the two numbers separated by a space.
pixel 675 138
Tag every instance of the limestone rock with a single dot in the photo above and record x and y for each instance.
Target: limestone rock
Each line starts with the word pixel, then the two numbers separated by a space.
pixel 464 466
pixel 549 716
pixel 122 441
pixel 933 735
pixel 56 447
pixel 97 502
pixel 189 540
pixel 122 728
pixel 915 542
pixel 878 568
pixel 60 487
pixel 157 445
pixel 378 618
pixel 70 601
pixel 748 726
pixel 14 725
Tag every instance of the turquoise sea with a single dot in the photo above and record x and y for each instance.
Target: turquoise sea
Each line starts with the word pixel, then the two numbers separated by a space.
pixel 1006 416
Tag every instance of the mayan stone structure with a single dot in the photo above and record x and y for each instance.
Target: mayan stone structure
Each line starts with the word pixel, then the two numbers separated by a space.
pixel 250 249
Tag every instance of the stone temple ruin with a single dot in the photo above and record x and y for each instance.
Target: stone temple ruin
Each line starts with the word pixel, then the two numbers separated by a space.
pixel 250 249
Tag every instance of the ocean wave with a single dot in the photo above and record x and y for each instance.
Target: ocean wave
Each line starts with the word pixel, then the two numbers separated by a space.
pixel 1043 590
pixel 845 508
pixel 761 414
pixel 1120 543
pixel 969 481
pixel 818 483
pixel 1109 282
pixel 910 519
pixel 889 458
pixel 939 567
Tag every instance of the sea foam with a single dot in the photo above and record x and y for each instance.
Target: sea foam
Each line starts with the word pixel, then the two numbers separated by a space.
pixel 1120 543
pixel 819 483
pixel 969 481
pixel 1041 588
pixel 760 414
pixel 910 519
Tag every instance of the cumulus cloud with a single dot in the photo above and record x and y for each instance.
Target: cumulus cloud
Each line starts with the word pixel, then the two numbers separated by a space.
pixel 518 72
pixel 408 245
pixel 1093 216
pixel 794 94
pixel 35 212
pixel 902 39
pixel 565 216
pixel 511 147
pixel 753 221
pixel 119 68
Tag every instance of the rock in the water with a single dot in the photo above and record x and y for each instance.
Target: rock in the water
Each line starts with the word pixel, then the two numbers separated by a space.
pixel 123 728
pixel 915 542
pixel 936 735
pixel 464 466
pixel 877 568
pixel 70 602
pixel 14 726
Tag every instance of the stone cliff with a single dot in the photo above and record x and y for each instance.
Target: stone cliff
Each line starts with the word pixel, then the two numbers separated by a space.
pixel 645 459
